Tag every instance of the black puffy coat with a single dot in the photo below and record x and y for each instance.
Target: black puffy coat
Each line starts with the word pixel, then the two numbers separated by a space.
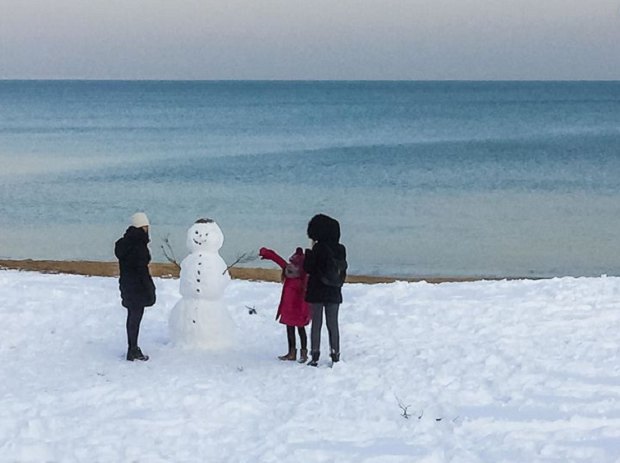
pixel 326 232
pixel 135 282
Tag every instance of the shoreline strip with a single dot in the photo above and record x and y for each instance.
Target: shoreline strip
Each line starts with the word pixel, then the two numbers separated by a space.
pixel 168 270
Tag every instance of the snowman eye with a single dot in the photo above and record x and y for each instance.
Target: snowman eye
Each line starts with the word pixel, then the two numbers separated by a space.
pixel 196 232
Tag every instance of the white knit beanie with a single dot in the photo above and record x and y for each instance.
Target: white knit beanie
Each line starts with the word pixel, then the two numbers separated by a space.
pixel 139 219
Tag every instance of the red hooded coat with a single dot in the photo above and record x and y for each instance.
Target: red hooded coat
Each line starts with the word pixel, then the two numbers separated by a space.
pixel 293 309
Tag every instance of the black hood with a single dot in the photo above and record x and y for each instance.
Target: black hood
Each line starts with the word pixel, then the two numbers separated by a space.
pixel 136 234
pixel 323 228
pixel 132 236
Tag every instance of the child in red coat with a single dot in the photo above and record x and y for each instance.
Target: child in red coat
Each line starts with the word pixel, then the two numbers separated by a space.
pixel 293 309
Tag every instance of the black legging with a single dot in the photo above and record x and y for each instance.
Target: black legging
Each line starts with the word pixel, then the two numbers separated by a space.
pixel 134 317
pixel 290 336
pixel 331 318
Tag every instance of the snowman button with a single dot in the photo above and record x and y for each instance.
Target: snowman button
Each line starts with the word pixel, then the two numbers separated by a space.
pixel 198 280
pixel 197 290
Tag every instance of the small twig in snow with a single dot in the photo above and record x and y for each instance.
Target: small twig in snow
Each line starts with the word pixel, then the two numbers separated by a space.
pixel 251 310
pixel 403 407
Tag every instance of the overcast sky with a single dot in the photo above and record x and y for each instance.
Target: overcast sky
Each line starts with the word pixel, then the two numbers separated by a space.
pixel 310 39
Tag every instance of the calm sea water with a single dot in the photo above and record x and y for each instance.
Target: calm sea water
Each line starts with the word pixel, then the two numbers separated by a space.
pixel 427 178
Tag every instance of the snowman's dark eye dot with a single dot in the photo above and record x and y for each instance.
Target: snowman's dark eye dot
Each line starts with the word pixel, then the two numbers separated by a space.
pixel 196 232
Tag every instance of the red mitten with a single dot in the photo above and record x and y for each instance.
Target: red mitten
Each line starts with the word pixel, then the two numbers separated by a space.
pixel 268 254
pixel 262 252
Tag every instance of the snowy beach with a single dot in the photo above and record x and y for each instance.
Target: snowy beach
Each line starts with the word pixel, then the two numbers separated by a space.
pixel 503 371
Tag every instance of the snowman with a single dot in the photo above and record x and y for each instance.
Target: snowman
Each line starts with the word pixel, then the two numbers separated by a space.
pixel 200 318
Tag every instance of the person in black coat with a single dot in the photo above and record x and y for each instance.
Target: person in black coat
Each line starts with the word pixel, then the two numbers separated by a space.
pixel 326 265
pixel 135 282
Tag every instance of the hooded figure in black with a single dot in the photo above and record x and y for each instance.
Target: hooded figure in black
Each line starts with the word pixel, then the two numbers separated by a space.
pixel 136 285
pixel 326 265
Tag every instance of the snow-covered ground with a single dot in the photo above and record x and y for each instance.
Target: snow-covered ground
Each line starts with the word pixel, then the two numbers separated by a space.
pixel 509 371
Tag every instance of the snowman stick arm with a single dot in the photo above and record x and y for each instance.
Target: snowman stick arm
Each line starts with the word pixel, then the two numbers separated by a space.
pixel 242 259
pixel 168 252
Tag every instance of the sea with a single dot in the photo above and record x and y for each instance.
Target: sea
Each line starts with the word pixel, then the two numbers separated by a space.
pixel 432 178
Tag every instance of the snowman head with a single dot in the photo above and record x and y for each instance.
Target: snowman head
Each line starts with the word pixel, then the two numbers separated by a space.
pixel 204 235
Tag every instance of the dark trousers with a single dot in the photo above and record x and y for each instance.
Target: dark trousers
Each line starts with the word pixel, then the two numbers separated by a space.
pixel 134 317
pixel 290 336
pixel 331 319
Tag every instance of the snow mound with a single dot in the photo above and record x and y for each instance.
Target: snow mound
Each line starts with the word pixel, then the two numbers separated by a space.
pixel 508 371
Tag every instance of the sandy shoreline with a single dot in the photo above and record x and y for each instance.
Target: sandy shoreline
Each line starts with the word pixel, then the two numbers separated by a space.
pixel 96 268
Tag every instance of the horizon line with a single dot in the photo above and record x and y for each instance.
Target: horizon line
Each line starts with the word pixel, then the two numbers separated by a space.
pixel 70 79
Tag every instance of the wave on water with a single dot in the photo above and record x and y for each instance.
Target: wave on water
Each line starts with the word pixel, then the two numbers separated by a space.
pixel 554 164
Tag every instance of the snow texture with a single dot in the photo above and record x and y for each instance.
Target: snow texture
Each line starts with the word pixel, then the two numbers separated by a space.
pixel 200 318
pixel 507 371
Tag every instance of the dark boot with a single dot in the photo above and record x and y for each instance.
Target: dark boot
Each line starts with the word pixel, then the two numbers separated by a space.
pixel 315 359
pixel 303 356
pixel 292 355
pixel 335 357
pixel 134 353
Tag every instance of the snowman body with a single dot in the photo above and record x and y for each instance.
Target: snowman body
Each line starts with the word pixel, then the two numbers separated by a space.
pixel 200 318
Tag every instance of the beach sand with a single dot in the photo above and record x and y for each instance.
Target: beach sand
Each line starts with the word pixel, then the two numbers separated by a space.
pixel 96 268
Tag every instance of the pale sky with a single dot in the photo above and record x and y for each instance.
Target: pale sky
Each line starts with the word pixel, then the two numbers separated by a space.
pixel 310 39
